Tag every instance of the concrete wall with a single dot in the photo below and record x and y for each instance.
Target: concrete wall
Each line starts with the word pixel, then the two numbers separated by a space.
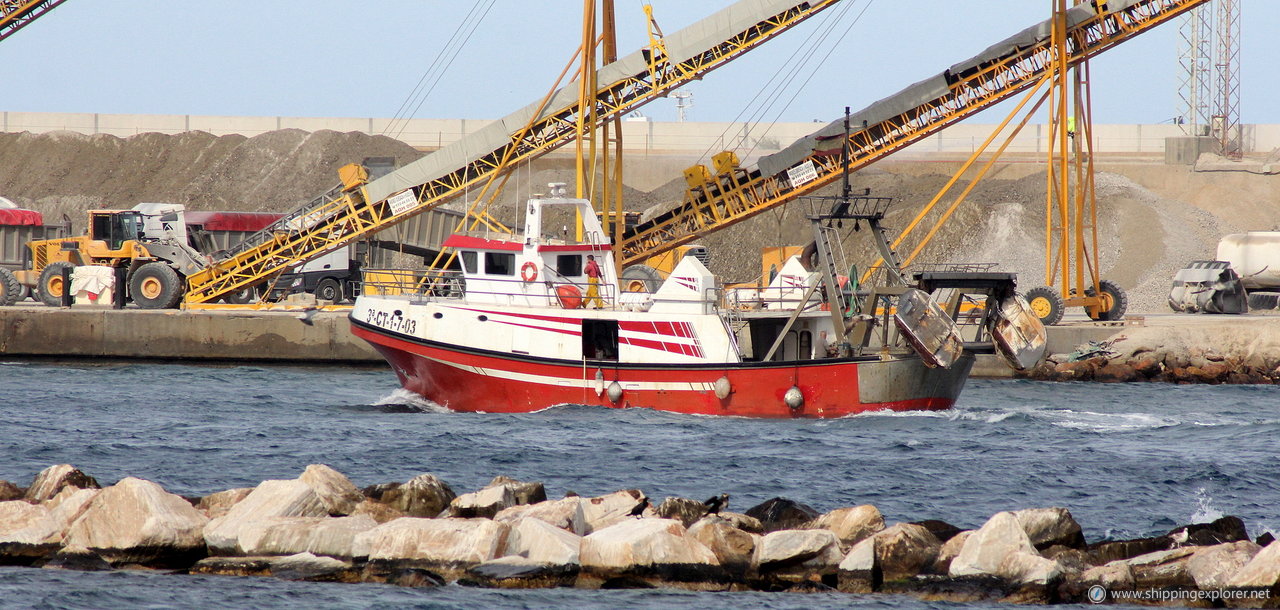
pixel 179 335
pixel 749 139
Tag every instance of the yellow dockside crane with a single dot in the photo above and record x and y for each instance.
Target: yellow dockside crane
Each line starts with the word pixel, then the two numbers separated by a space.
pixel 359 208
pixel 1029 61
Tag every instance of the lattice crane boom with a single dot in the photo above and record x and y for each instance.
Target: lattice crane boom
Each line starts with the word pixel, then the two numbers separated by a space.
pixel 359 209
pixel 732 194
pixel 16 14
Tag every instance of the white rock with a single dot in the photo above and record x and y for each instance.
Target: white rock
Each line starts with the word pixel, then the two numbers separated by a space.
pixel 1263 571
pixel 643 542
pixel 269 499
pixel 1212 567
pixel 984 550
pixel 857 571
pixel 861 558
pixel 1113 576
pixel 53 479
pixel 604 511
pixel 566 514
pixel 339 495
pixel 446 541
pixel 138 521
pixel 1049 526
pixel 330 536
pixel 24 523
pixel 537 540
pixel 798 555
pixel 485 503
pixel 69 504
pixel 949 551
pixel 851 525
pixel 1028 569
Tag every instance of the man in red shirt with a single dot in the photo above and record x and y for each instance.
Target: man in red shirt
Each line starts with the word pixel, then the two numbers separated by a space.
pixel 593 282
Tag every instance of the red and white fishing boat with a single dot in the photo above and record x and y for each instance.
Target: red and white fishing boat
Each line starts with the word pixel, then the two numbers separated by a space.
pixel 515 331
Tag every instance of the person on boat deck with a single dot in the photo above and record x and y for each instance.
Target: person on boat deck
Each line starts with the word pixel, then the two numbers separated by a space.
pixel 593 283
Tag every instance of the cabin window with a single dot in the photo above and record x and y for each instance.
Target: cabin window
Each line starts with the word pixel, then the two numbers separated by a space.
pixel 469 262
pixel 499 263
pixel 569 265
pixel 600 339
pixel 804 345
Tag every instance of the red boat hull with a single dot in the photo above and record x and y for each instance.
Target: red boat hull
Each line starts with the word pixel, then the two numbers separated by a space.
pixel 496 382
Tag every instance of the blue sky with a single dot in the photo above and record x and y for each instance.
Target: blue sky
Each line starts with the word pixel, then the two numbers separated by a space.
pixel 323 58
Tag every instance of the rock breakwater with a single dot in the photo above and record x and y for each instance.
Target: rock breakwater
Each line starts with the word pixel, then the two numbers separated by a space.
pixel 1204 350
pixel 322 527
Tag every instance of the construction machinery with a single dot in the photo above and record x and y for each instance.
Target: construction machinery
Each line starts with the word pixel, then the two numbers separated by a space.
pixel 147 244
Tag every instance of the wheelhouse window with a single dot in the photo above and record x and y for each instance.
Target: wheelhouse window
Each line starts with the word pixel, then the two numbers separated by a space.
pixel 469 261
pixel 569 265
pixel 499 263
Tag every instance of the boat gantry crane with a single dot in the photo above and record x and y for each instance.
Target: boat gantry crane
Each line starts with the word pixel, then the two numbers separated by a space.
pixel 359 207
pixel 727 194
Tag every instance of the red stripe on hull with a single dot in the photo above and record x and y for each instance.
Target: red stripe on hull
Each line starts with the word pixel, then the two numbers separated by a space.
pixel 831 389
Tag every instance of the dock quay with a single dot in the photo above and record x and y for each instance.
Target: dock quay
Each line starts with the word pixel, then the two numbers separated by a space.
pixel 212 335
pixel 266 335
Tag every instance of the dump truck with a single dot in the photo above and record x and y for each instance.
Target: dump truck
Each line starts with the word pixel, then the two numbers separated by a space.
pixel 19 226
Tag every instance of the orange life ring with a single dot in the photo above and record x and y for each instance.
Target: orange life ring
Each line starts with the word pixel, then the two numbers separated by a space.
pixel 529 272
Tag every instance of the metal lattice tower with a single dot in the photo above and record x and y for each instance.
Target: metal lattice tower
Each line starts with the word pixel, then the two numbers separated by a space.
pixel 1226 112
pixel 1209 55
pixel 1195 56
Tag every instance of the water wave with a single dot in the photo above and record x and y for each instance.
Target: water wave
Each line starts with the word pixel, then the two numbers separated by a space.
pixel 401 397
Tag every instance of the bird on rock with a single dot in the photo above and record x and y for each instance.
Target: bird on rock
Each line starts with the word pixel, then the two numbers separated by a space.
pixel 639 508
pixel 715 503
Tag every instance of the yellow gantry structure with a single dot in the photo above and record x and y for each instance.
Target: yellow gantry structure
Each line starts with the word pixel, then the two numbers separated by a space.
pixel 731 194
pixel 15 14
pixel 358 208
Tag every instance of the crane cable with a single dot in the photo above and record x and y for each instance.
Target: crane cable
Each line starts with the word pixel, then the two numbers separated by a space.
pixel 776 85
pixel 438 67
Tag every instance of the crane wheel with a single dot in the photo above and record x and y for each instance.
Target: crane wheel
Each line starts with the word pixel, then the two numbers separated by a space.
pixel 51 286
pixel 1117 302
pixel 155 286
pixel 10 289
pixel 1046 304
pixel 640 278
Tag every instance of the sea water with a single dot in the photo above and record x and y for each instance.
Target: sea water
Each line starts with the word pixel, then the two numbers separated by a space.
pixel 1128 460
